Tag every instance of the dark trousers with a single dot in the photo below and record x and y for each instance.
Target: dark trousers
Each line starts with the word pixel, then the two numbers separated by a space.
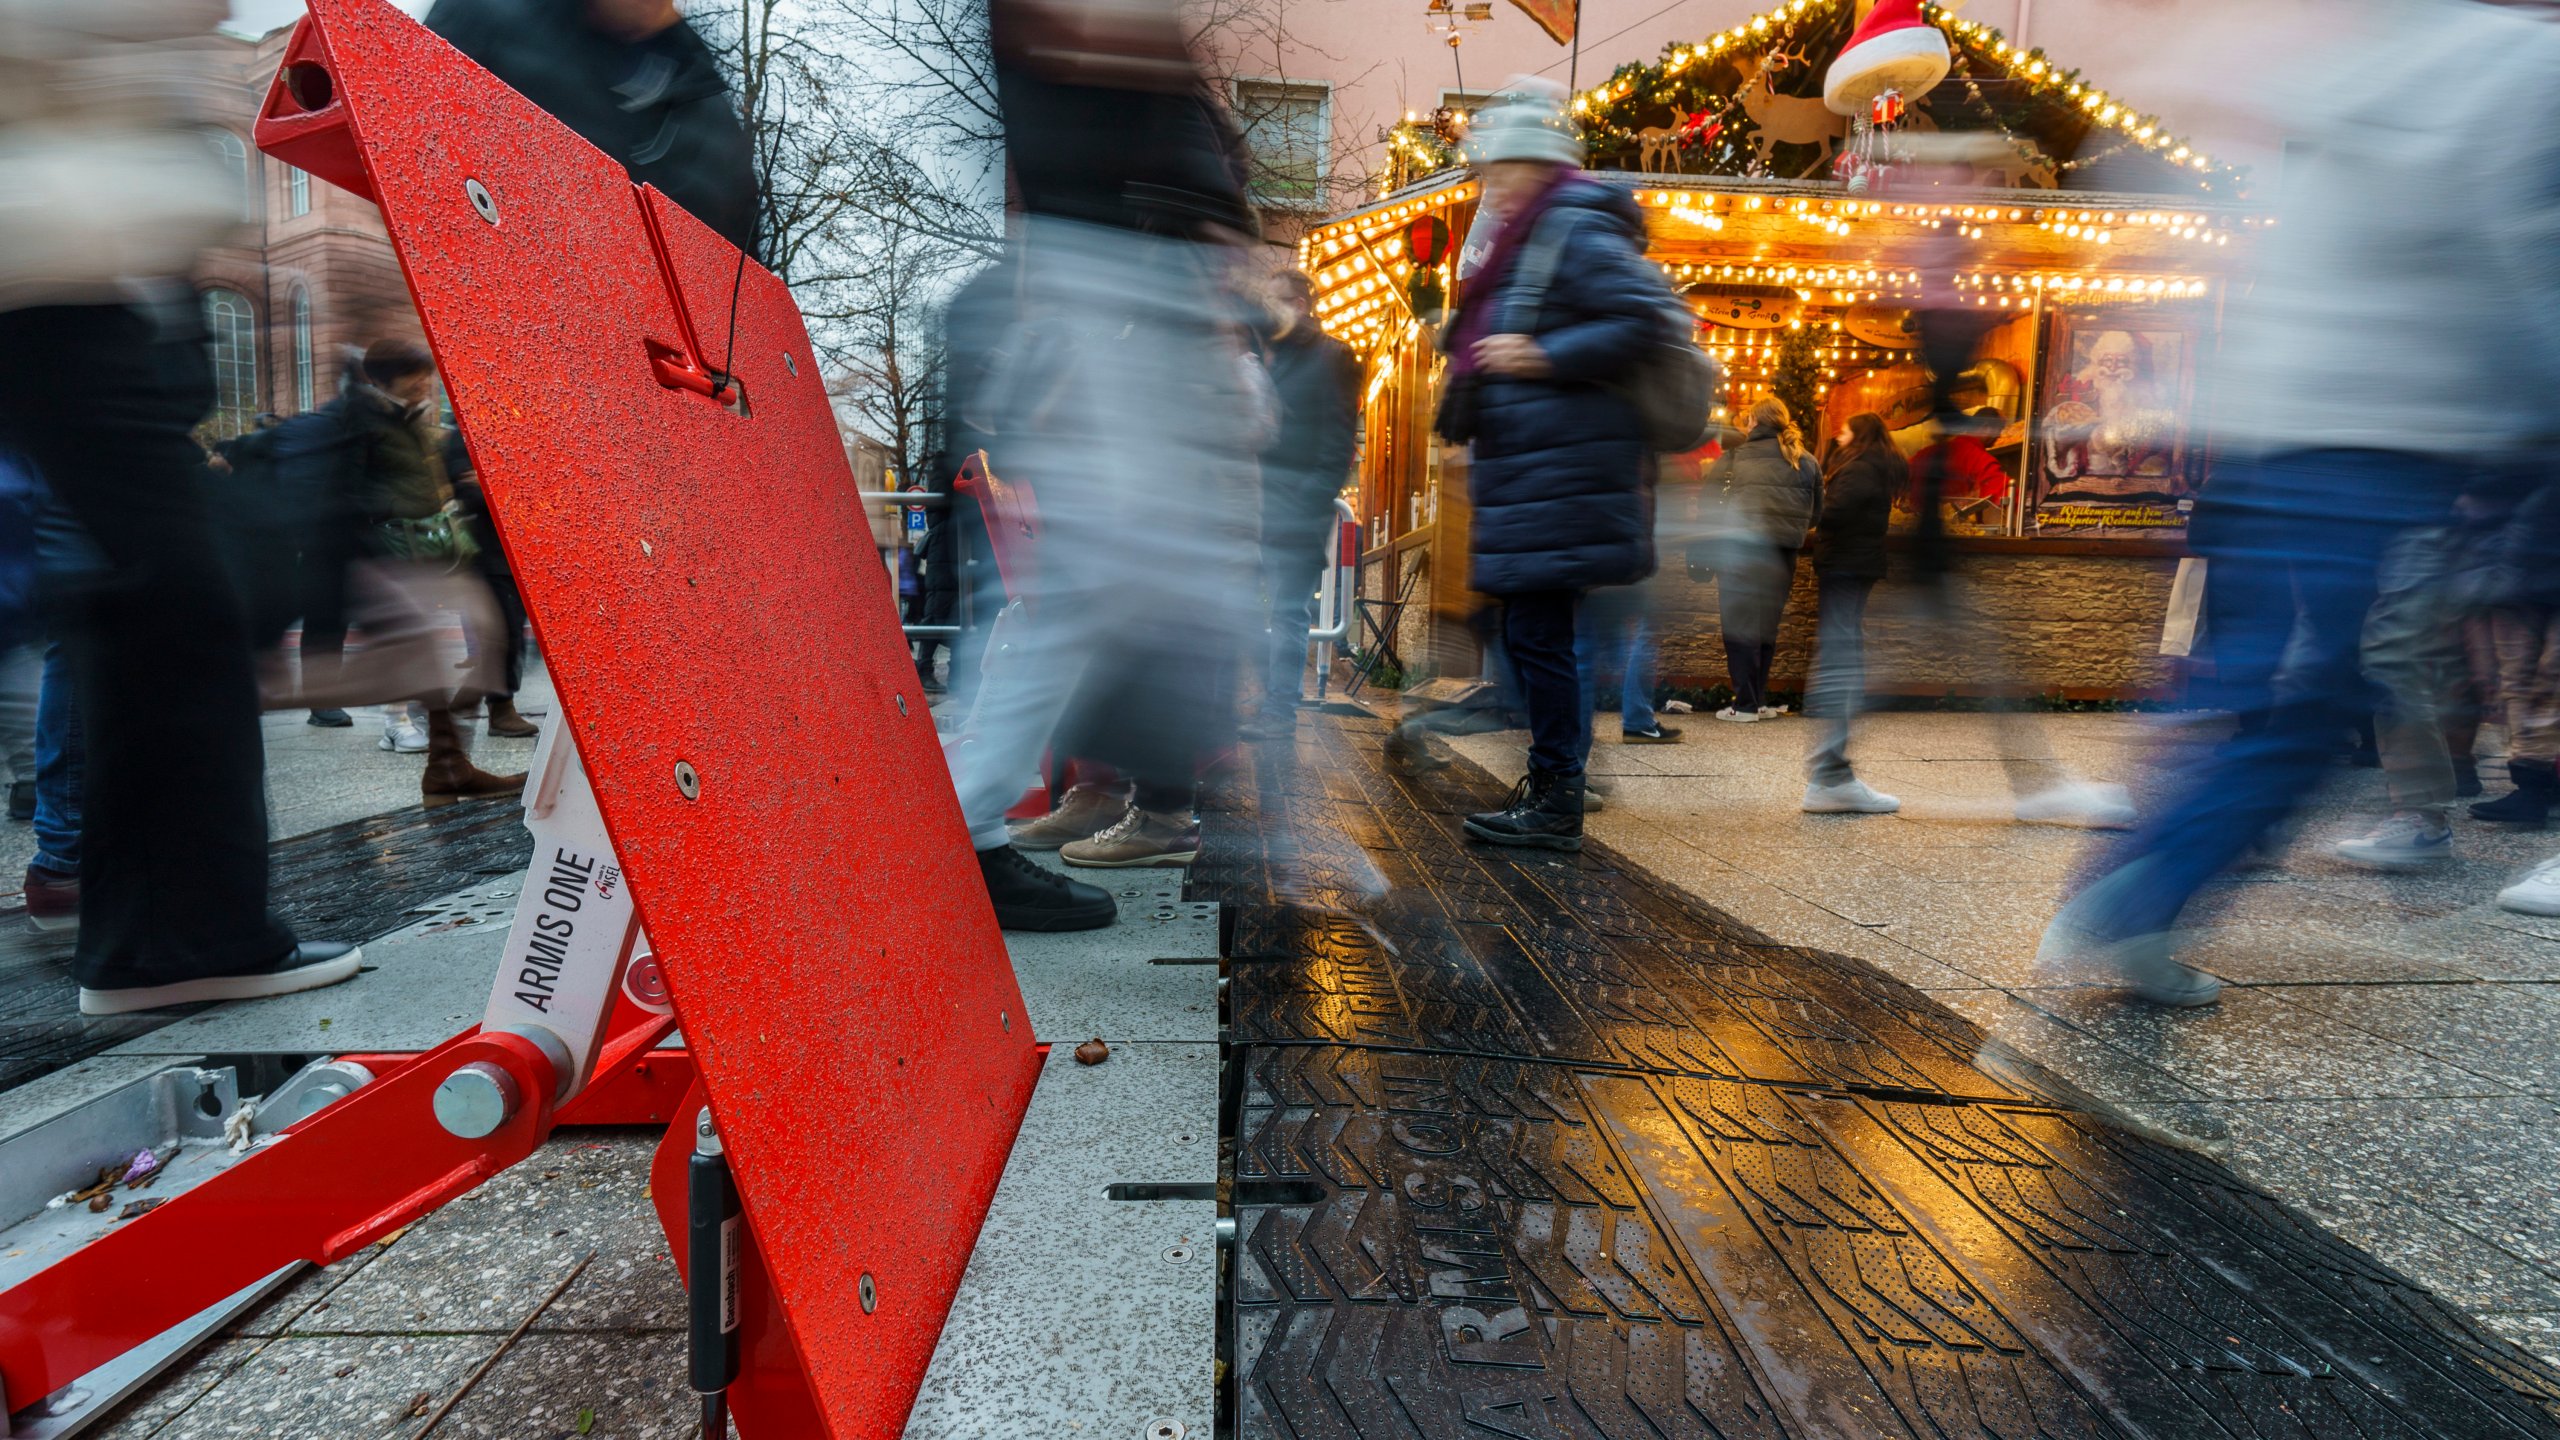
pixel 1291 572
pixel 1537 631
pixel 173 856
pixel 328 552
pixel 1751 602
pixel 510 604
pixel 2312 525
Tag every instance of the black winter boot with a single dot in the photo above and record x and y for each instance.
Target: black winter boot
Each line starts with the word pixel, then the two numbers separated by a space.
pixel 1030 897
pixel 1545 811
pixel 2529 804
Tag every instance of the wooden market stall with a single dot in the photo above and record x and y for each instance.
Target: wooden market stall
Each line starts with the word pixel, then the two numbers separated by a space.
pixel 2104 309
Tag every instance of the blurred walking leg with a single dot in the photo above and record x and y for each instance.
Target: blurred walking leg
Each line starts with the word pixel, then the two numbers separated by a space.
pixel 2412 651
pixel 1291 571
pixel 53 875
pixel 1836 693
pixel 20 671
pixel 174 841
pixel 2327 518
pixel 2527 646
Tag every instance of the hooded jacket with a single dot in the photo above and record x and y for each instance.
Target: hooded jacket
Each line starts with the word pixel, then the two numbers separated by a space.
pixel 658 106
pixel 1560 477
pixel 1857 510
pixel 1766 498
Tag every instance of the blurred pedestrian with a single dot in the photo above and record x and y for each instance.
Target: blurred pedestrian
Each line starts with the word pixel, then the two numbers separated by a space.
pixel 2403 223
pixel 1858 490
pixel 415 566
pixel 489 562
pixel 1615 629
pixel 103 377
pixel 938 557
pixel 2412 653
pixel 1317 380
pixel 632 78
pixel 1116 392
pixel 311 457
pixel 1769 490
pixel 1560 473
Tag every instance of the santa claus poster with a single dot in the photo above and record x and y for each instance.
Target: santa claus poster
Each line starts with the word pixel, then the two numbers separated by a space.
pixel 2111 452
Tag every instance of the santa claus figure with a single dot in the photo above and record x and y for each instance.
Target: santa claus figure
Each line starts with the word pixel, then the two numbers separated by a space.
pixel 2111 431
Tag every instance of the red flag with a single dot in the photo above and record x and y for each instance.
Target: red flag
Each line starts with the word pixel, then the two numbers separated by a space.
pixel 1556 17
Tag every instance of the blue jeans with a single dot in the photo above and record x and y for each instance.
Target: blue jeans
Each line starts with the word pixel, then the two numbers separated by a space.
pixel 1617 624
pixel 59 761
pixel 2312 526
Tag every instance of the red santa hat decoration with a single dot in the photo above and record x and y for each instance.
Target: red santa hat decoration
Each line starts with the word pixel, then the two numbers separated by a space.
pixel 1893 52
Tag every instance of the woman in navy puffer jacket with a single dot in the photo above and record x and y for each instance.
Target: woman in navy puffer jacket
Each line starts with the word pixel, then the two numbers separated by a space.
pixel 1560 477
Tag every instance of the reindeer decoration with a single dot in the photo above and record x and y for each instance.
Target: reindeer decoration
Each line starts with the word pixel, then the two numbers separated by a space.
pixel 2020 169
pixel 1785 119
pixel 1661 148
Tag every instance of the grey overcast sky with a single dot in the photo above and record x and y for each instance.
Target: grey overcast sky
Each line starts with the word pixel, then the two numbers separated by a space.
pixel 257 17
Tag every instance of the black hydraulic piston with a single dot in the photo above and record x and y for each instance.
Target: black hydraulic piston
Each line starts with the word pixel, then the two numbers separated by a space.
pixel 712 1225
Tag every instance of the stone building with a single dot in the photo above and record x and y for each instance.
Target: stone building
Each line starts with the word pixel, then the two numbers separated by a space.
pixel 311 271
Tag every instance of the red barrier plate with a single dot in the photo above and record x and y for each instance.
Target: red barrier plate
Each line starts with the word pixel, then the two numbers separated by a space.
pixel 708 599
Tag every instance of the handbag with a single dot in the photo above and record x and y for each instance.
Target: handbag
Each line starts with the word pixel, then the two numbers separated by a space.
pixel 438 539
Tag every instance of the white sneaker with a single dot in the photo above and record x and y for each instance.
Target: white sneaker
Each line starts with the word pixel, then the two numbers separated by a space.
pixel 2537 892
pixel 1849 797
pixel 2403 842
pixel 2082 803
pixel 1739 717
pixel 402 735
pixel 1772 712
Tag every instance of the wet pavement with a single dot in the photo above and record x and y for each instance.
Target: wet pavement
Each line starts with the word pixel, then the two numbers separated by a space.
pixel 2386 1055
pixel 1538 1146
pixel 355 857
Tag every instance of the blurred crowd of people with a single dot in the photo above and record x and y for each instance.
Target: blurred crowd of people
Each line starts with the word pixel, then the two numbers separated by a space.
pixel 144 574
pixel 2380 535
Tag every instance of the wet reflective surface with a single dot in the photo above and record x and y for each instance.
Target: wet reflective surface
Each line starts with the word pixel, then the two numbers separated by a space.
pixel 347 882
pixel 1529 1145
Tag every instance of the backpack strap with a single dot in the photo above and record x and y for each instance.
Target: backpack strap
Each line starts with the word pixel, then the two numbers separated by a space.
pixel 1538 264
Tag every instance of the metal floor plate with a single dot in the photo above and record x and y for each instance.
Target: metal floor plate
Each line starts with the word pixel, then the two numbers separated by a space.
pixel 1527 1145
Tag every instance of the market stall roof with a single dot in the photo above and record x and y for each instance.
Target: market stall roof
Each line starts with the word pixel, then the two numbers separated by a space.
pixel 1822 242
pixel 1749 101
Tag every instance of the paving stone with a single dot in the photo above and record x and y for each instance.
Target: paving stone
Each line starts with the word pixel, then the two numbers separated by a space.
pixel 2488 1165
pixel 150 1410
pixel 2255 1045
pixel 332 1385
pixel 559 1387
pixel 2507 1034
pixel 2537 1334
pixel 482 1262
pixel 2086 1057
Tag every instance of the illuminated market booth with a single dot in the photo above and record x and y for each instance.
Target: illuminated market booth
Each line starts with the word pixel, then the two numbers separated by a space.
pixel 2102 247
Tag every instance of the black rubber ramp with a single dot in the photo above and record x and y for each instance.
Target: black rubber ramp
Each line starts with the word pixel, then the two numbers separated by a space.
pixel 1528 1145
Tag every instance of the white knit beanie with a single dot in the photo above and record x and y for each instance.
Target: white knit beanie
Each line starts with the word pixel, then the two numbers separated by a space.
pixel 1525 121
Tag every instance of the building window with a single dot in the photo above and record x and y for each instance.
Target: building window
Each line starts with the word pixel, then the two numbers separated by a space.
pixel 1288 128
pixel 297 190
pixel 231 332
pixel 302 377
pixel 234 153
